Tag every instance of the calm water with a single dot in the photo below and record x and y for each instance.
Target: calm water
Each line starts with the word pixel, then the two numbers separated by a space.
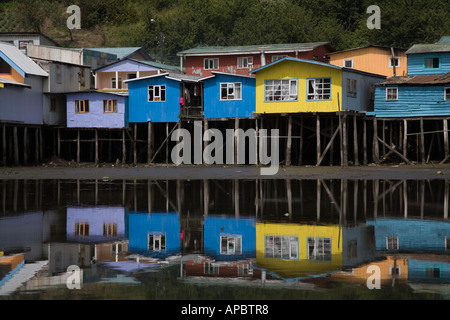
pixel 224 239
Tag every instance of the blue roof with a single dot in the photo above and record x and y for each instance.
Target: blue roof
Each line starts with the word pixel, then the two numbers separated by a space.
pixel 297 60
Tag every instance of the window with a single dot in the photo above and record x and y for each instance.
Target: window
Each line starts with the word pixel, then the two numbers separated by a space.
pixel 110 229
pixel 319 89
pixel 115 85
pixel 447 94
pixel 81 106
pixel 231 244
pixel 432 63
pixel 348 63
pixel 4 67
pixel 211 268
pixel 58 73
pixel 352 249
pixel 156 241
pixel 431 272
pixel 280 90
pixel 23 45
pixel 319 249
pixel 211 64
pixel 53 105
pixel 81 229
pixel 230 91
pixel 245 62
pixel 392 243
pixel 351 88
pixel 391 94
pixel 109 106
pixel 394 62
pixel 157 93
pixel 394 270
pixel 131 76
pixel 278 57
pixel 283 247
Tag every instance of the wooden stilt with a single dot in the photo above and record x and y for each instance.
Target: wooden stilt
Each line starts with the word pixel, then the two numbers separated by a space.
pixel 318 147
pixel 25 146
pixel 135 145
pixel 58 133
pixel 300 156
pixel 422 142
pixel 96 146
pixel 405 138
pixel 78 145
pixel 124 147
pixel 150 141
pixel 289 141
pixel 355 142
pixel 4 145
pixel 365 158
pixel 344 142
pixel 375 147
pixel 16 146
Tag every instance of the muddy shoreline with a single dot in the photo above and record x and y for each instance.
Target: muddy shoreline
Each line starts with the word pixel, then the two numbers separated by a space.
pixel 171 172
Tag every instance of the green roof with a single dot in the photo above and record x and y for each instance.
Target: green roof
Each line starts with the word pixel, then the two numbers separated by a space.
pixel 428 48
pixel 159 65
pixel 252 48
pixel 119 52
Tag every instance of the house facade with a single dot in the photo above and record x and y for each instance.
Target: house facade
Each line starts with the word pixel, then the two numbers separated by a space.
pixel 294 85
pixel 157 98
pixel 228 95
pixel 426 59
pixel 202 61
pixel 382 60
pixel 413 96
pixel 21 87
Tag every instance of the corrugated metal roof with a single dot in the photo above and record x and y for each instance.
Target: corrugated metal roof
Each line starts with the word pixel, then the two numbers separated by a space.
pixel 444 40
pixel 159 65
pixel 252 48
pixel 428 79
pixel 297 60
pixel 369 46
pixel 21 60
pixel 427 48
pixel 6 81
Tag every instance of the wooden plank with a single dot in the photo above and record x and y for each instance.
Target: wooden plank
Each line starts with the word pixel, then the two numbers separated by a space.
pixel 392 148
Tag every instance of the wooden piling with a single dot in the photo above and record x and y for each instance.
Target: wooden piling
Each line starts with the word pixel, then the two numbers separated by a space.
pixel 289 141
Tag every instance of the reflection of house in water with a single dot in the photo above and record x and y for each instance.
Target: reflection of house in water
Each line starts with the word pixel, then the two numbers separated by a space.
pixel 302 250
pixel 411 235
pixel 156 234
pixel 201 266
pixel 229 238
pixel 95 224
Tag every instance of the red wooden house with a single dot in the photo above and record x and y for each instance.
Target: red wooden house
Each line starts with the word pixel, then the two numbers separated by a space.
pixel 201 61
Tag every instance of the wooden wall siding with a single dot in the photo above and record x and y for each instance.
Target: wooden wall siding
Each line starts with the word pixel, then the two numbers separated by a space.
pixel 302 71
pixel 23 105
pixel 372 59
pixel 142 110
pixel 216 108
pixel 364 99
pixel 418 270
pixel 13 76
pixel 413 101
pixel 413 235
pixel 96 118
pixel 416 63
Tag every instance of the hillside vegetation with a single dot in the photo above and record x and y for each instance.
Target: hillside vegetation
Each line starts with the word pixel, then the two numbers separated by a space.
pixel 169 26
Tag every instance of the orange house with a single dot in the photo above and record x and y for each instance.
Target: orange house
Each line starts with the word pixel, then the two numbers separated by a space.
pixel 381 60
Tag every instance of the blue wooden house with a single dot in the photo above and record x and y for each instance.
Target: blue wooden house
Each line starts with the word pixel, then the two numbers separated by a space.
pixel 429 58
pixel 229 238
pixel 411 235
pixel 157 98
pixel 156 234
pixel 228 95
pixel 413 96
pixel 428 270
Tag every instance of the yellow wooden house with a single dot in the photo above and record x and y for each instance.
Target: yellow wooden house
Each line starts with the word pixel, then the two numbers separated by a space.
pixel 293 85
pixel 374 59
pixel 296 250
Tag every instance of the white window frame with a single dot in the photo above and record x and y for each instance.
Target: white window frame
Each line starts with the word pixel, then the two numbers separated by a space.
pixel 211 63
pixel 159 89
pixel 397 267
pixel 233 91
pixel 392 243
pixel 319 86
pixel 281 90
pixel 157 241
pixel 396 59
pixel 233 244
pixel 347 60
pixel 244 62
pixel 447 94
pixel 390 95
pixel 321 248
pixel 281 247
